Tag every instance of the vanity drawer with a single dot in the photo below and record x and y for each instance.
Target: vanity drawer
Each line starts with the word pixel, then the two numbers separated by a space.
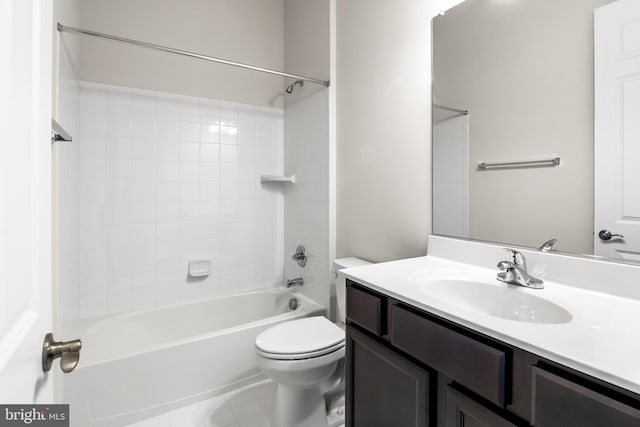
pixel 477 366
pixel 365 308
pixel 559 401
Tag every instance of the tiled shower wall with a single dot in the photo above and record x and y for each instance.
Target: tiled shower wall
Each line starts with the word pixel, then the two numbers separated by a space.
pixel 65 196
pixel 451 177
pixel 307 202
pixel 164 179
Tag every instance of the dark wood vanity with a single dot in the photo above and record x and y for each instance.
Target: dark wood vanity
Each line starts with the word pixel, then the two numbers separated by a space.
pixel 407 367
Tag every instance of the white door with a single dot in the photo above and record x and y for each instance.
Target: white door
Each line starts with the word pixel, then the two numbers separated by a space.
pixel 25 199
pixel 617 129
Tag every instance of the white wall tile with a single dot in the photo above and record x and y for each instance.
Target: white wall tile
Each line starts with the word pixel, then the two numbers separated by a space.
pixel 143 127
pixel 189 191
pixel 228 172
pixel 189 131
pixel 167 211
pixel 209 172
pixel 209 190
pixel 143 212
pixel 229 153
pixel 157 181
pixel 143 148
pixel 228 134
pixel 229 113
pixel 209 152
pixel 209 111
pixel 167 171
pixel 189 171
pixel 209 132
pixel 306 153
pixel 167 129
pixel 189 152
pixel 168 149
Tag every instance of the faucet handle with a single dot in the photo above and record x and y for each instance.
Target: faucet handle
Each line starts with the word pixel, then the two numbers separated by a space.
pixel 516 257
pixel 506 265
pixel 548 245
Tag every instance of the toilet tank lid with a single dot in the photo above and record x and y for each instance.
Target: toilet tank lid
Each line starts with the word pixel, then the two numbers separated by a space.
pixel 349 262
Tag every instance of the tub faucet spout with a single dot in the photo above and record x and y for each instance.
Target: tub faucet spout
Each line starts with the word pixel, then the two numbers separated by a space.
pixel 295 282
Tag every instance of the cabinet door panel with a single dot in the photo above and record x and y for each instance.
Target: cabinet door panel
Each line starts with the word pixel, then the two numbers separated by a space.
pixel 464 412
pixel 365 309
pixel 475 365
pixel 382 388
pixel 559 402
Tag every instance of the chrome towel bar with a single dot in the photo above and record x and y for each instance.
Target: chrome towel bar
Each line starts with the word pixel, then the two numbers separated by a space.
pixel 524 164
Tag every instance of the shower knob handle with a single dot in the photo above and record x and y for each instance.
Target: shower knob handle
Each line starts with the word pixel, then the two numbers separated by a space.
pixel 300 256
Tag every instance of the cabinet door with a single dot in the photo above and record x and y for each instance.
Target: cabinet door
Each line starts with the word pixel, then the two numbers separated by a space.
pixel 382 388
pixel 559 402
pixel 462 411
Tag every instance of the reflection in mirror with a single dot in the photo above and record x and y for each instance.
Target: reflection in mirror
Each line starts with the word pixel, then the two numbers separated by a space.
pixel 513 81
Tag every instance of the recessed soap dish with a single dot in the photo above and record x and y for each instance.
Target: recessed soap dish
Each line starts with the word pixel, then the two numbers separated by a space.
pixel 278 178
pixel 199 267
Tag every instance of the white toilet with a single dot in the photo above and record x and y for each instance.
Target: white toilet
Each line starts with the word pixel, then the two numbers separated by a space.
pixel 300 356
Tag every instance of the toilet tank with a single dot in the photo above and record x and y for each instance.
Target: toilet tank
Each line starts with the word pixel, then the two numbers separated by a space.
pixel 341 282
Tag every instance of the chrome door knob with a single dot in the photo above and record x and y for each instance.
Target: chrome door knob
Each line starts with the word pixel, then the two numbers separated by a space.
pixel 607 235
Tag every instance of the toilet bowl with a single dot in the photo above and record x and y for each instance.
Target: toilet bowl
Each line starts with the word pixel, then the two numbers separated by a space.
pixel 300 356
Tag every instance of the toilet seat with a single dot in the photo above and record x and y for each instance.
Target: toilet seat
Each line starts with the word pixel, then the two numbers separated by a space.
pixel 300 356
pixel 300 339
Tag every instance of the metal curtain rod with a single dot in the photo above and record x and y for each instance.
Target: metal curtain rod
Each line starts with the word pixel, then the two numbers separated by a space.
pixel 455 110
pixel 67 29
pixel 529 163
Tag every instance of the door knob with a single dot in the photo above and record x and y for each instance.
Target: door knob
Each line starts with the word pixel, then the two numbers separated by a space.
pixel 607 235
pixel 68 352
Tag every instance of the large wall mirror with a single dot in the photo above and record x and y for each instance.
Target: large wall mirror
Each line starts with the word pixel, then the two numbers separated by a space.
pixel 516 159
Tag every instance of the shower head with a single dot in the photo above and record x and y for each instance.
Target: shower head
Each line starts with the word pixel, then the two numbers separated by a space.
pixel 290 88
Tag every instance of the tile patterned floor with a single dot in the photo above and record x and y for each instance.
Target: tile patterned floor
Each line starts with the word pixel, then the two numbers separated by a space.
pixel 251 406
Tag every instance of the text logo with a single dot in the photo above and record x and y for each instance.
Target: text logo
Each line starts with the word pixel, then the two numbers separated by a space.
pixel 34 415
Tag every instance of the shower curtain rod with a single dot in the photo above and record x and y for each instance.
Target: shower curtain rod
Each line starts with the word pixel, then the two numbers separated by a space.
pixel 455 110
pixel 67 29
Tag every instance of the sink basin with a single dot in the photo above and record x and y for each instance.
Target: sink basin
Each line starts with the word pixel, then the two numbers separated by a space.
pixel 498 301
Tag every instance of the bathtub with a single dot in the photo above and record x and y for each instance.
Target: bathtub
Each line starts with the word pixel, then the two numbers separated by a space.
pixel 138 365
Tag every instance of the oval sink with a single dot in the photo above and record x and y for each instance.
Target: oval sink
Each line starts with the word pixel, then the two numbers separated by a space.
pixel 498 301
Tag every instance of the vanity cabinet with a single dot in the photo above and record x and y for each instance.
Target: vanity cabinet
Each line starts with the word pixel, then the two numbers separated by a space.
pixel 558 401
pixel 462 411
pixel 408 367
pixel 384 388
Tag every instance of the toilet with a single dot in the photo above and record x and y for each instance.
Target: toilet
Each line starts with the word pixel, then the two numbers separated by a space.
pixel 300 356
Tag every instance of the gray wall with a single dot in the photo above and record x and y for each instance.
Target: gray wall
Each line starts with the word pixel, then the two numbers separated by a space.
pixel 306 44
pixel 383 128
pixel 248 31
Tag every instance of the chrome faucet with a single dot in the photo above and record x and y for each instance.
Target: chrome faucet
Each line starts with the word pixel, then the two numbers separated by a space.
pixel 295 282
pixel 514 271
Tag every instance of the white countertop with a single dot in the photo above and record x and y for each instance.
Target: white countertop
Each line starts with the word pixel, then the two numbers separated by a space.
pixel 602 339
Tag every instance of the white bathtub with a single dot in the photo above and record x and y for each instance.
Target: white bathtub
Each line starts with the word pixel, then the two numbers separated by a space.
pixel 138 365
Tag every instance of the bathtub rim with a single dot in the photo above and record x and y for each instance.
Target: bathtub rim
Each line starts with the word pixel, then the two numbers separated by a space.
pixel 306 309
